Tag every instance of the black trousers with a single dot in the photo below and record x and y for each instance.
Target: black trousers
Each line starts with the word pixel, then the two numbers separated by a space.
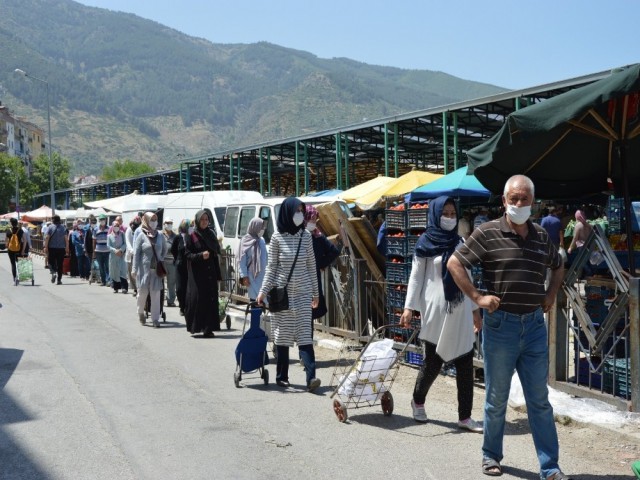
pixel 56 259
pixel 429 371
pixel 13 258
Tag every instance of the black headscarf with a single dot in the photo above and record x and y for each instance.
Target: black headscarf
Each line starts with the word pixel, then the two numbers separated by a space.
pixel 206 235
pixel 434 242
pixel 285 216
pixel 212 224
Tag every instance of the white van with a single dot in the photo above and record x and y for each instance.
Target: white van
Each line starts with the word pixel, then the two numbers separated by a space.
pixel 142 203
pixel 185 205
pixel 240 214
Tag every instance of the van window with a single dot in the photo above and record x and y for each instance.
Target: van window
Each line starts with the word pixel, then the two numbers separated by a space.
pixel 265 214
pixel 230 222
pixel 246 215
pixel 219 212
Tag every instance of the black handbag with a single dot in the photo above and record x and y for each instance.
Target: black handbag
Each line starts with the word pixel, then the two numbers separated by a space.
pixel 278 297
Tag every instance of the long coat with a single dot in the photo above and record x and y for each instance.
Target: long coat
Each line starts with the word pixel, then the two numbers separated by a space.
pixel 143 258
pixel 201 312
pixel 117 264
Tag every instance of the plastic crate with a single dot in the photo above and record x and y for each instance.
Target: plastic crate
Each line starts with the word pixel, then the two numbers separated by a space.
pixel 395 219
pixel 398 272
pixel 417 218
pixel 620 371
pixel 414 358
pixel 396 246
pixel 584 374
pixel 411 244
pixel 396 296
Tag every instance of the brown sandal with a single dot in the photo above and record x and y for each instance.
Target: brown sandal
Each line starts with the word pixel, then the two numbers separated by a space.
pixel 491 467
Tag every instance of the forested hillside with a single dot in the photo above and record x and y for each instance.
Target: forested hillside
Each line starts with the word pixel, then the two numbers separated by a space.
pixel 125 87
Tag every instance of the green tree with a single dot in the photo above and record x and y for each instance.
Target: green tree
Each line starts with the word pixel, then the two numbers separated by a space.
pixel 9 168
pixel 38 183
pixel 125 169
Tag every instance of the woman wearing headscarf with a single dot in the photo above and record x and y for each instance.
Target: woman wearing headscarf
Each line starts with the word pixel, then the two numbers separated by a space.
pixel 149 248
pixel 134 224
pixel 292 325
pixel 449 318
pixel 117 264
pixel 202 252
pixel 180 262
pixel 74 270
pixel 252 255
pixel 325 253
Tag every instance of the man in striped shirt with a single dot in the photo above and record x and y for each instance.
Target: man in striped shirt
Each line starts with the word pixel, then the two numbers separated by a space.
pixel 514 254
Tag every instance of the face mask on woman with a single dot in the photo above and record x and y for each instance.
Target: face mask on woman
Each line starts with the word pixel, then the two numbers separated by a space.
pixel 447 223
pixel 261 233
pixel 298 218
pixel 311 226
pixel 191 230
pixel 103 223
pixel 153 224
pixel 116 229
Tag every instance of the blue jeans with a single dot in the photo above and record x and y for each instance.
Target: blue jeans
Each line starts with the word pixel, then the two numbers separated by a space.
pixel 518 342
pixel 84 266
pixel 307 357
pixel 103 264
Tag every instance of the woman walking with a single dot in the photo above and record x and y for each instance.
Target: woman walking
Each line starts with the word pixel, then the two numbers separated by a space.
pixel 449 318
pixel 202 253
pixel 148 250
pixel 252 256
pixel 117 264
pixel 292 264
pixel 180 262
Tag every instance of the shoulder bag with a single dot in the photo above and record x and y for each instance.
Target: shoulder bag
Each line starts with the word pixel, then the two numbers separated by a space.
pixel 278 297
pixel 160 270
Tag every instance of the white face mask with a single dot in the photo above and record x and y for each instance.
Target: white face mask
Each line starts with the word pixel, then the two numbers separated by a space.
pixel 518 215
pixel 153 224
pixel 191 230
pixel 261 233
pixel 103 222
pixel 447 223
pixel 298 218
pixel 116 229
pixel 311 226
pixel 168 227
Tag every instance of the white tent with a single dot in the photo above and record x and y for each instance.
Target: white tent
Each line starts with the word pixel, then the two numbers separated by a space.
pixel 115 204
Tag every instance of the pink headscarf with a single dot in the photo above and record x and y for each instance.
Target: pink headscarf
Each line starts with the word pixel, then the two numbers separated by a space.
pixel 580 217
pixel 311 215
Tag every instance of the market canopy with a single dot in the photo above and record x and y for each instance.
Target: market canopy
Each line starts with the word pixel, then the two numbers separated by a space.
pixel 38 215
pixel 572 145
pixel 362 189
pixel 115 204
pixel 455 184
pixel 399 186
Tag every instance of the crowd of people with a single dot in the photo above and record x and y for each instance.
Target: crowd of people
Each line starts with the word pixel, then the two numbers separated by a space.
pixel 515 253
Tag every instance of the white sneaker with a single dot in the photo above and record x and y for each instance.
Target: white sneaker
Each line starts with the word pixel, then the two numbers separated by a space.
pixel 419 415
pixel 314 384
pixel 471 425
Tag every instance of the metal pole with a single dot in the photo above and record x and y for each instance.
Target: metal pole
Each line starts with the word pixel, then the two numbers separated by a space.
pixel 445 142
pixel 261 175
pixel 18 194
pixel 51 186
pixel 634 344
pixel 386 150
pixel 395 150
pixel 297 163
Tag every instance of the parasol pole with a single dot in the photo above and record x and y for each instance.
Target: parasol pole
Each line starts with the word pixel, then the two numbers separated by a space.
pixel 622 155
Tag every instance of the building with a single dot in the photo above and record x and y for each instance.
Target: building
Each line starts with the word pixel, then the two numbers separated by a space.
pixel 20 138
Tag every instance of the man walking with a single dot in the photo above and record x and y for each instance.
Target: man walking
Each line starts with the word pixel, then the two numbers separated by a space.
pixel 100 249
pixel 56 246
pixel 514 254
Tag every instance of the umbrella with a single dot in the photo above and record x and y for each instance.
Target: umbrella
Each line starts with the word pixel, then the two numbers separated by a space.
pixel 571 145
pixel 399 186
pixel 360 190
pixel 455 184
pixel 115 204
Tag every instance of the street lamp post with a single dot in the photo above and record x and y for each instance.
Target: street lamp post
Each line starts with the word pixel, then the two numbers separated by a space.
pixel 17 190
pixel 51 186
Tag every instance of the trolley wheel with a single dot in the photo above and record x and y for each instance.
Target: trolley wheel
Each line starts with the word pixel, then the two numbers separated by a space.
pixel 237 376
pixel 340 410
pixel 386 401
pixel 265 376
pixel 228 320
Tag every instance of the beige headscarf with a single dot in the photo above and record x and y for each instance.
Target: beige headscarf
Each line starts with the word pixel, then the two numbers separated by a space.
pixel 146 228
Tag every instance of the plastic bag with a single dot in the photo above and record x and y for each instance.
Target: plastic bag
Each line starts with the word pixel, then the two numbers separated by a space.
pixel 365 380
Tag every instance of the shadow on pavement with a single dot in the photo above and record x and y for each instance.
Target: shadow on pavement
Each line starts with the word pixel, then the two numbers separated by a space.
pixel 14 463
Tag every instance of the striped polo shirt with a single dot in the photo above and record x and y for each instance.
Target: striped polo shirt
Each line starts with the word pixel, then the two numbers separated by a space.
pixel 513 268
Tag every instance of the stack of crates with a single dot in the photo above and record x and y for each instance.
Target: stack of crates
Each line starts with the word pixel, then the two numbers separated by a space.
pixel 404 227
pixel 615 373
pixel 615 215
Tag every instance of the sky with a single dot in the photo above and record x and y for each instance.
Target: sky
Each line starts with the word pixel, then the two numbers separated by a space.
pixel 509 43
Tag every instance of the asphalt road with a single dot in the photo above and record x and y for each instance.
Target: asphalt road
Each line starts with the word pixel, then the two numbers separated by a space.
pixel 89 393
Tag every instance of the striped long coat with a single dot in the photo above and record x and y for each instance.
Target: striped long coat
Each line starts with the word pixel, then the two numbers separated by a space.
pixel 293 325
